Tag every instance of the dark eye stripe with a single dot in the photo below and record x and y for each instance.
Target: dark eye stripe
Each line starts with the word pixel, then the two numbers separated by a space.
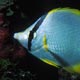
pixel 39 23
pixel 34 30
pixel 29 40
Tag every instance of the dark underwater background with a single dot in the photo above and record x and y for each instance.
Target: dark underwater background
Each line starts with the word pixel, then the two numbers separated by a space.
pixel 15 61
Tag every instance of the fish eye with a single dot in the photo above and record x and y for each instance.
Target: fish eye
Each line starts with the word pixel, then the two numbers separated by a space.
pixel 28 33
pixel 34 36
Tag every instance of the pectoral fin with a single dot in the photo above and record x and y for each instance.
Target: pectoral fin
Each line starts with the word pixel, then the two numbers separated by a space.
pixel 45 46
pixel 56 56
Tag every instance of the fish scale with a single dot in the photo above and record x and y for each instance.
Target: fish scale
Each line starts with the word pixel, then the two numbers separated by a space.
pixel 61 39
pixel 57 40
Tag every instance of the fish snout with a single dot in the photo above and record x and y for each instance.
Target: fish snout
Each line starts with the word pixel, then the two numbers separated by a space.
pixel 15 36
pixel 20 36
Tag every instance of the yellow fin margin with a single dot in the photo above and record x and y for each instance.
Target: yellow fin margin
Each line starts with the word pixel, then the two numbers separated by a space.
pixel 74 11
pixel 73 69
pixel 45 46
pixel 50 62
pixel 76 68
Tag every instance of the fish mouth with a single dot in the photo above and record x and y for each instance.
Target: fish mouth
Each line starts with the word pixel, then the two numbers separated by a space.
pixel 15 35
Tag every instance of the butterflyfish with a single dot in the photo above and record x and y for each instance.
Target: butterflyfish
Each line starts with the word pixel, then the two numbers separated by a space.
pixel 54 38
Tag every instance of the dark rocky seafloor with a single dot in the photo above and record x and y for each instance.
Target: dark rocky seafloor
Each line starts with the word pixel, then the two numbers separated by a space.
pixel 15 61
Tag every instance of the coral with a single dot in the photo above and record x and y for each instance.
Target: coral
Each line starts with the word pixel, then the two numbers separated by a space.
pixel 10 52
pixel 1 19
